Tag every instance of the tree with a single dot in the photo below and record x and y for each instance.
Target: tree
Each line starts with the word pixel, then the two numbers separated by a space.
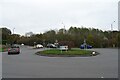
pixel 13 39
pixel 5 35
pixel 70 44
pixel 49 36
pixel 74 35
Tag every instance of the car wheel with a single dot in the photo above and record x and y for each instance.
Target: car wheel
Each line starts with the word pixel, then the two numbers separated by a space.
pixel 8 53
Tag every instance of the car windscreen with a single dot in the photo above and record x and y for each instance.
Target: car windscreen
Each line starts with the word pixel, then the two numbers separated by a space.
pixel 15 47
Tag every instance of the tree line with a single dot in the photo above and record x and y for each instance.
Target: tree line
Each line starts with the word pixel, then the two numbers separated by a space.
pixel 74 37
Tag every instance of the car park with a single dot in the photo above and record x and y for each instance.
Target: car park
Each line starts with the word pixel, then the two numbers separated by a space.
pixel 14 50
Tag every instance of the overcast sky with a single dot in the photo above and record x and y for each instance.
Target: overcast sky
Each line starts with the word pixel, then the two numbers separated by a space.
pixel 42 15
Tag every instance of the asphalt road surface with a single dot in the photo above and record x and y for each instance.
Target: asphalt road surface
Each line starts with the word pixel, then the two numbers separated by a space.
pixel 29 65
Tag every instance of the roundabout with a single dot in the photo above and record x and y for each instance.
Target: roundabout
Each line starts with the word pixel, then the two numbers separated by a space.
pixel 67 53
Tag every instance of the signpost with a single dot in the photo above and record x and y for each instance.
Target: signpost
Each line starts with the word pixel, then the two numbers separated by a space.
pixel 63 48
pixel 85 45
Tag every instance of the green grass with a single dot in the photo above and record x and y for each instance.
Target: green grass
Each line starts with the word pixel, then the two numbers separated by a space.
pixel 1 49
pixel 72 52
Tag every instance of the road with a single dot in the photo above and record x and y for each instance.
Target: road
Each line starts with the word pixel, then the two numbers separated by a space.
pixel 29 65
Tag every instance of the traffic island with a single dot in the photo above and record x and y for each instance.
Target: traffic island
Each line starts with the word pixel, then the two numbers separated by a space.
pixel 68 53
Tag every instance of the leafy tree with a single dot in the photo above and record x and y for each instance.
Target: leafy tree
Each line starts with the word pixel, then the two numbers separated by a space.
pixel 5 34
pixel 74 35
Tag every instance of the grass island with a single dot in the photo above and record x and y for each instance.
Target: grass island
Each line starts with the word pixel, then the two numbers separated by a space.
pixel 69 53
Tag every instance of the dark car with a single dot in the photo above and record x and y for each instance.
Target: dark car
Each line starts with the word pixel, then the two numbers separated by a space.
pixel 51 46
pixel 89 47
pixel 14 50
pixel 85 46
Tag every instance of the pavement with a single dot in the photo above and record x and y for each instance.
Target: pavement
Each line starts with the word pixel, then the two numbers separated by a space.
pixel 29 65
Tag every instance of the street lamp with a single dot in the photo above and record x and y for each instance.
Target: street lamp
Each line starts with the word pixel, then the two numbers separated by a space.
pixel 112 25
pixel 13 37
pixel 34 44
pixel 112 32
pixel 13 30
pixel 44 43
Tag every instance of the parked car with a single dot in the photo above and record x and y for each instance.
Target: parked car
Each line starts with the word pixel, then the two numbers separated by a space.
pixel 89 47
pixel 51 46
pixel 85 46
pixel 14 50
pixel 22 44
pixel 39 46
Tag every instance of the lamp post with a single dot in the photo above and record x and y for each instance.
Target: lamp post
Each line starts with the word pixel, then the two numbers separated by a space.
pixel 112 32
pixel 44 43
pixel 12 42
pixel 112 25
pixel 34 44
pixel 13 30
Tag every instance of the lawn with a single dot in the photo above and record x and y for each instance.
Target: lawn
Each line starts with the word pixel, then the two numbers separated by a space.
pixel 72 52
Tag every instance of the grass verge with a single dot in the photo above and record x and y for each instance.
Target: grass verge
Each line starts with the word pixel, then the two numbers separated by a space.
pixel 3 48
